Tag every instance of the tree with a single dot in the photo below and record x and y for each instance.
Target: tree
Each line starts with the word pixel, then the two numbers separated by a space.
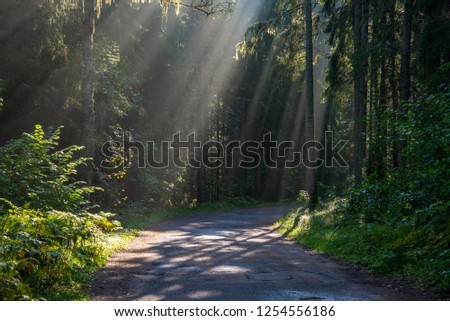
pixel 311 174
pixel 359 61
pixel 405 70
pixel 87 83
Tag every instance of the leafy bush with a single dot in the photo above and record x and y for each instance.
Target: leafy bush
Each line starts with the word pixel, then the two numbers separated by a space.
pixel 413 203
pixel 33 172
pixel 418 194
pixel 43 252
pixel 49 239
pixel 303 197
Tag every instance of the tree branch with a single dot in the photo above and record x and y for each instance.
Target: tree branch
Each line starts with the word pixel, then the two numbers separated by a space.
pixel 206 7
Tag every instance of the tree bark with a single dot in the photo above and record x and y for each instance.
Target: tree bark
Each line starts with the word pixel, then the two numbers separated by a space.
pixel 360 37
pixel 393 83
pixel 87 85
pixel 311 173
pixel 405 71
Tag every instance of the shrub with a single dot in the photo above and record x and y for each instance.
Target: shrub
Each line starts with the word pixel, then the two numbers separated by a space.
pixel 49 239
pixel 412 203
pixel 33 172
pixel 42 252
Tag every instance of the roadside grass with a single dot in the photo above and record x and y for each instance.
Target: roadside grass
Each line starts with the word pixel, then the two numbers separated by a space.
pixel 383 249
pixel 75 288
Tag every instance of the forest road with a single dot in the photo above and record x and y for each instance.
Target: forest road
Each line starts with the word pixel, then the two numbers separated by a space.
pixel 236 255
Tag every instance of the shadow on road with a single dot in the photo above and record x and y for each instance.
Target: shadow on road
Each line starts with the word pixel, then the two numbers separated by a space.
pixel 227 256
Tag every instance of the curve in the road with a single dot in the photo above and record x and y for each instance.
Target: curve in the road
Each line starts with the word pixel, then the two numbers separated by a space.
pixel 233 255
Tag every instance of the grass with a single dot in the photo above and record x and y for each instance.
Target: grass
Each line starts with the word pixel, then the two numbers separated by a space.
pixel 384 249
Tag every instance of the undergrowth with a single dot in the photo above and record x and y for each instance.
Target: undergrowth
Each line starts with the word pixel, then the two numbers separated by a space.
pixel 382 248
pixel 51 236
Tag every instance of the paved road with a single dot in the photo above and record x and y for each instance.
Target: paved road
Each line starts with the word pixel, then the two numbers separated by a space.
pixel 230 256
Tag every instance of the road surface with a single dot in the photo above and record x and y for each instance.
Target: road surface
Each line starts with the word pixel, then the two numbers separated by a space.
pixel 236 255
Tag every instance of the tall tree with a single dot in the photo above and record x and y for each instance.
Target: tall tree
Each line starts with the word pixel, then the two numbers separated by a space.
pixel 360 38
pixel 405 68
pixel 405 71
pixel 311 172
pixel 87 83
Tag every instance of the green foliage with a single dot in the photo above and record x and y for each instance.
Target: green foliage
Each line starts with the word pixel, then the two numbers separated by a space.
pixel 44 253
pixel 412 204
pixel 283 30
pixel 303 198
pixel 115 94
pixel 34 173
pixel 417 194
pixel 49 239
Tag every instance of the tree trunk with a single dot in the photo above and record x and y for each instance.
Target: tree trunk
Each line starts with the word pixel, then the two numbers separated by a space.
pixel 405 70
pixel 311 173
pixel 324 173
pixel 87 85
pixel 393 83
pixel 360 37
pixel 381 122
pixel 371 127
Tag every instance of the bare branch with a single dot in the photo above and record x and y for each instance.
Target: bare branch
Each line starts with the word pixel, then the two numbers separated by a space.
pixel 207 7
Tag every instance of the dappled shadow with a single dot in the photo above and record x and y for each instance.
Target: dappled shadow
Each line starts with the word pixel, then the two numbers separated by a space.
pixel 226 256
